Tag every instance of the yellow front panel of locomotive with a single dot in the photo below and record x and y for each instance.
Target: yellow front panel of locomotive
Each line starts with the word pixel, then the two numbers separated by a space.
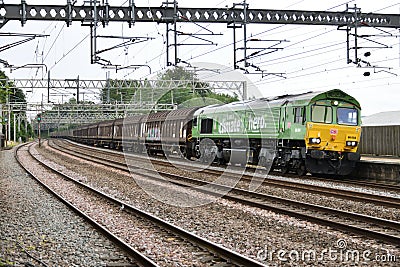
pixel 332 137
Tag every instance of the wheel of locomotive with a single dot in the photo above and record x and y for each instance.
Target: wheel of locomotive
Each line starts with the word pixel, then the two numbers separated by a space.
pixel 183 153
pixel 188 154
pixel 149 151
pixel 301 170
pixel 197 154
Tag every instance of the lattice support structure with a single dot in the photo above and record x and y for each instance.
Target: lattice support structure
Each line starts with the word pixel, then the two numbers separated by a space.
pixel 239 16
pixel 235 86
pixel 106 13
pixel 147 93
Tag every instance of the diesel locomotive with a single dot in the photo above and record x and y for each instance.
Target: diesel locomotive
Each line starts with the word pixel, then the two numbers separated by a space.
pixel 316 132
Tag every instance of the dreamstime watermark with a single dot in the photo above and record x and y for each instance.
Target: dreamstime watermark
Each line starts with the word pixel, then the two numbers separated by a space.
pixel 339 253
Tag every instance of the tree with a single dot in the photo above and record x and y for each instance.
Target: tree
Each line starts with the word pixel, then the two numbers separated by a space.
pixel 14 95
pixel 119 91
pixel 9 93
pixel 178 73
pixel 196 93
pixel 3 89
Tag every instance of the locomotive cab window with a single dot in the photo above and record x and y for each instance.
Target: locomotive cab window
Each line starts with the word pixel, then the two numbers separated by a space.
pixel 347 116
pixel 206 126
pixel 321 114
pixel 194 121
pixel 299 115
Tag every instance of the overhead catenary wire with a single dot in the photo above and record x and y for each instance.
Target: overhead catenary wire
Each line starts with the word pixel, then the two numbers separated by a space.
pixel 77 44
pixel 164 51
pixel 332 84
pixel 286 58
pixel 260 34
pixel 306 54
pixel 373 63
pixel 158 56
pixel 269 62
pixel 230 44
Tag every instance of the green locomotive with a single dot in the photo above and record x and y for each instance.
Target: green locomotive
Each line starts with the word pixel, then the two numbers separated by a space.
pixel 315 132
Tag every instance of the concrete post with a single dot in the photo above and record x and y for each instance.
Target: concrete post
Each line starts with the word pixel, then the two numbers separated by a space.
pixel 1 115
pixel 15 128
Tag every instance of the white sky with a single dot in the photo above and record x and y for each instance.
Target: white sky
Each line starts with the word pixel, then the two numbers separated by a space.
pixel 313 59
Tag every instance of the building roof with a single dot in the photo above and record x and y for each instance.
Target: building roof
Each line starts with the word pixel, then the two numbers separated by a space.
pixel 382 118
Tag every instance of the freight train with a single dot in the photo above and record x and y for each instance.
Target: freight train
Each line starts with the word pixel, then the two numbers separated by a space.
pixel 316 132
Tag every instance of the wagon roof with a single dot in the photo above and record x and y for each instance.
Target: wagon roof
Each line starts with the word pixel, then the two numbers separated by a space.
pixel 182 113
pixel 129 120
pixel 158 116
pixel 85 126
pixel 92 125
pixel 133 119
pixel 106 123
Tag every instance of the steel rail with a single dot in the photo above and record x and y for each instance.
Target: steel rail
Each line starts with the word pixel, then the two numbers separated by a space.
pixel 141 259
pixel 391 187
pixel 314 189
pixel 356 181
pixel 256 199
pixel 227 254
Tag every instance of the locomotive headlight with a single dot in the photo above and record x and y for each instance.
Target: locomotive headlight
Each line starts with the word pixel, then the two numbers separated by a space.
pixel 315 140
pixel 351 143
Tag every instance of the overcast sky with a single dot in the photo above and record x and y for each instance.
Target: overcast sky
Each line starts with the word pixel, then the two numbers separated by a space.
pixel 313 58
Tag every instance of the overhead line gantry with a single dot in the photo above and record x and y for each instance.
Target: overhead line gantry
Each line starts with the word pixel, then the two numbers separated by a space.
pixel 95 12
pixel 166 14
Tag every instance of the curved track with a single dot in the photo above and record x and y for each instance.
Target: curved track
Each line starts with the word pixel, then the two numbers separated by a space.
pixel 381 200
pixel 371 227
pixel 221 254
pixel 141 259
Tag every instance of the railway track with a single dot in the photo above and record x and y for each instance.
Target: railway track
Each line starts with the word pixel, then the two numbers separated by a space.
pixel 141 259
pixel 215 253
pixel 253 172
pixel 298 186
pixel 368 226
pixel 348 182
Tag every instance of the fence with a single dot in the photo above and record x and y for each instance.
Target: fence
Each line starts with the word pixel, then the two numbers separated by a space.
pixel 380 140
